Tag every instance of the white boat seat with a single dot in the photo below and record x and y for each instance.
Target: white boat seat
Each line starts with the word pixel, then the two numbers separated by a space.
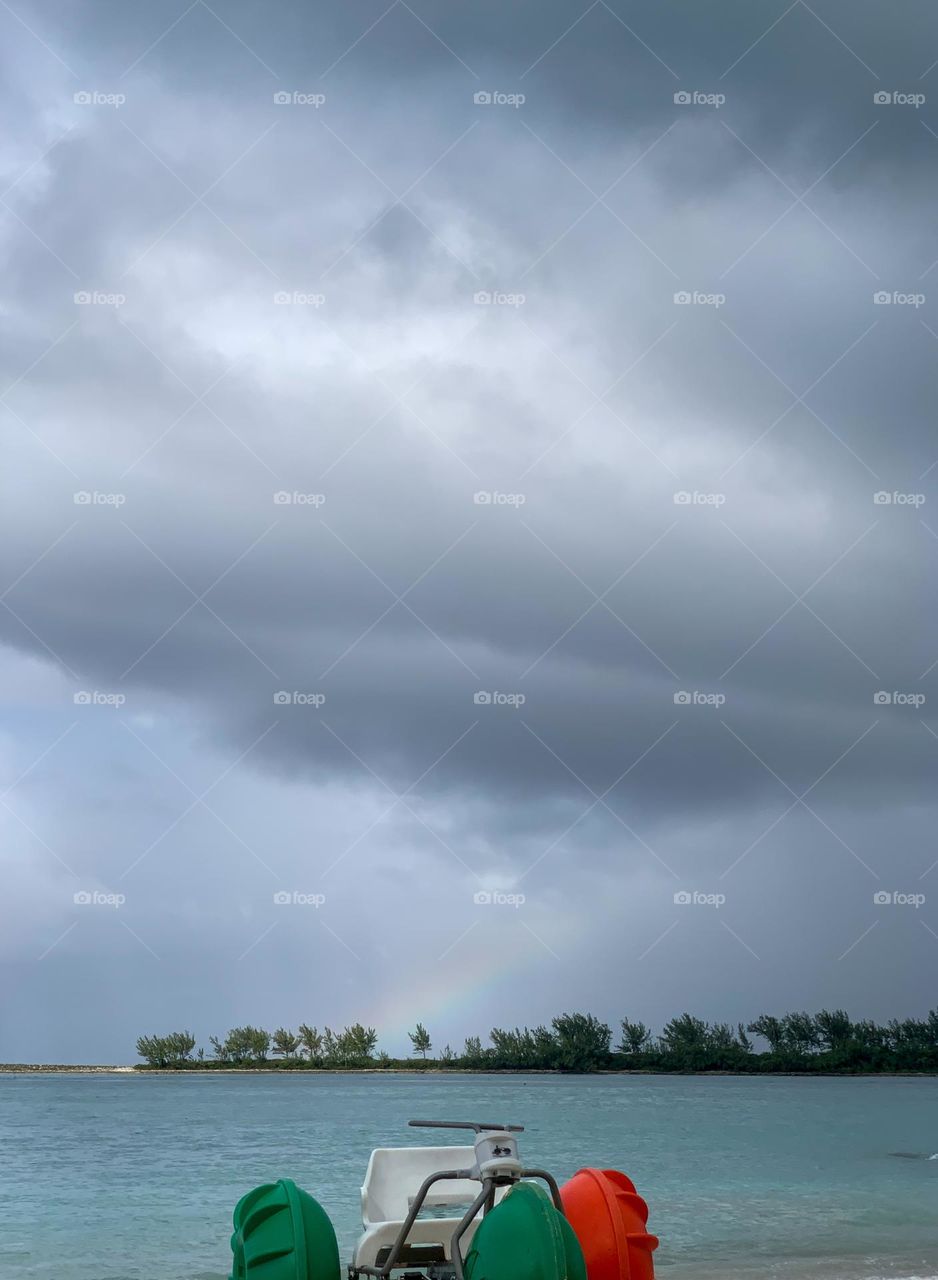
pixel 392 1181
pixel 442 1194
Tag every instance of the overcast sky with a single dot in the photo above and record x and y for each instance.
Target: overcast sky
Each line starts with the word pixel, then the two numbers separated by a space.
pixel 469 485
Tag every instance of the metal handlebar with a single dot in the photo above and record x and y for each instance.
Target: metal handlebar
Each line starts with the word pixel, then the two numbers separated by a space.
pixel 466 1124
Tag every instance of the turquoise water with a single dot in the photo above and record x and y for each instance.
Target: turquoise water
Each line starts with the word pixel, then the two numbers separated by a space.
pixel 123 1177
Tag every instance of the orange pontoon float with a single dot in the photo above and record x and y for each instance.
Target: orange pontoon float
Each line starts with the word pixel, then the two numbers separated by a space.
pixel 609 1218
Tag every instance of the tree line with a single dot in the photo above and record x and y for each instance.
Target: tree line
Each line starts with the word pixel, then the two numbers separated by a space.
pixel 828 1041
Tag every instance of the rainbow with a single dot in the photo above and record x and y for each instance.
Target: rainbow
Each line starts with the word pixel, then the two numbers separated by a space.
pixel 453 996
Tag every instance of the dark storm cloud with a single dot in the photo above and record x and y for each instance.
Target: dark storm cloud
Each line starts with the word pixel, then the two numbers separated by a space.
pixel 800 76
pixel 699 677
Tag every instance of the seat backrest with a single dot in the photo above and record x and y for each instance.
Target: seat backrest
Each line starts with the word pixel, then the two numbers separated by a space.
pixel 394 1176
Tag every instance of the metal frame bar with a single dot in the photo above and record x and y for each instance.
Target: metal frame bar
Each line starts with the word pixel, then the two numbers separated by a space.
pixel 551 1183
pixel 482 1199
pixel 416 1205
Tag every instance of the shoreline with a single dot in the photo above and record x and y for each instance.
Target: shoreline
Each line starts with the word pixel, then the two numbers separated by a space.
pixel 39 1068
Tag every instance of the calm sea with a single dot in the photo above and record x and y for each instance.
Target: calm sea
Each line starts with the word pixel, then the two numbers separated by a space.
pixel 132 1178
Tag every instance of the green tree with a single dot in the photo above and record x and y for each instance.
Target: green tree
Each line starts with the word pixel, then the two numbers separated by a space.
pixel 355 1045
pixel 582 1042
pixel 932 1024
pixel 869 1038
pixel 770 1029
pixel 311 1041
pixel 834 1028
pixel 220 1051
pixel 686 1041
pixel 523 1047
pixel 285 1043
pixel 247 1044
pixel 166 1051
pixel 721 1037
pixel 636 1037
pixel 181 1044
pixel 473 1055
pixel 237 1045
pixel 420 1039
pixel 800 1033
pixel 154 1050
pixel 260 1043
